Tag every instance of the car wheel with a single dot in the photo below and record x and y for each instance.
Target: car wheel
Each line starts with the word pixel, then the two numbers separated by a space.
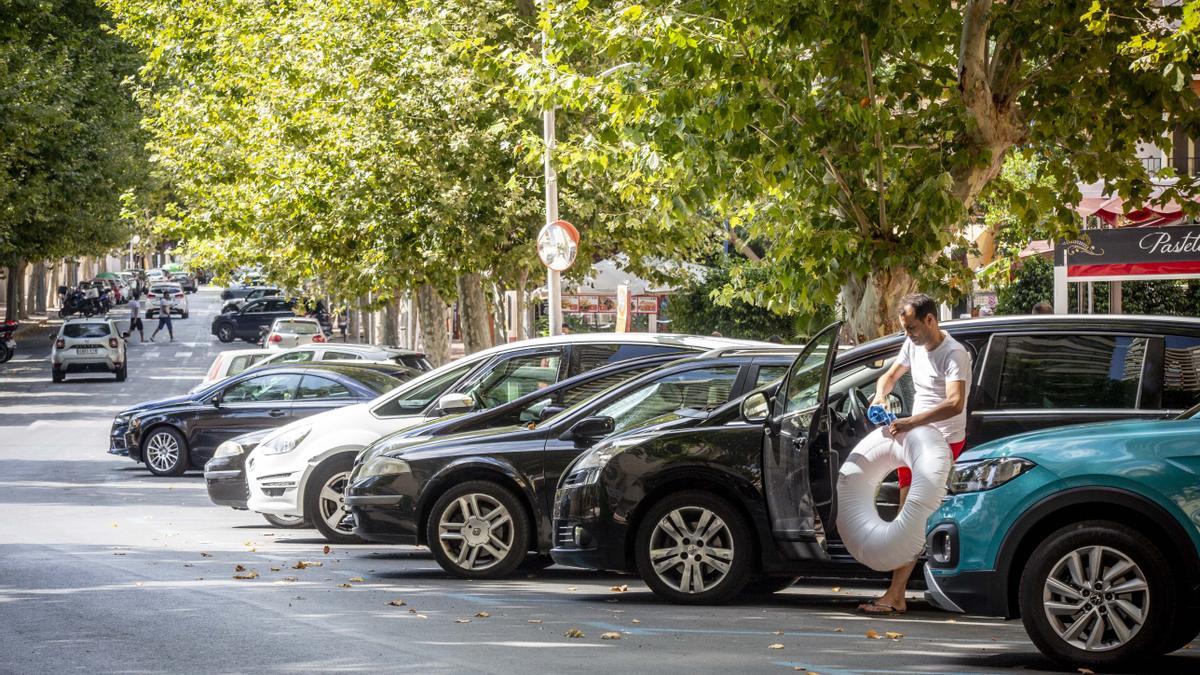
pixel 57 375
pixel 768 585
pixel 694 547
pixel 122 372
pixel 1098 594
pixel 225 333
pixel 478 530
pixel 325 501
pixel 288 522
pixel 165 452
pixel 184 315
pixel 6 353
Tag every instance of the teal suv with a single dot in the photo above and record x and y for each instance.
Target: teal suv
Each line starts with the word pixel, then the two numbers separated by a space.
pixel 1090 534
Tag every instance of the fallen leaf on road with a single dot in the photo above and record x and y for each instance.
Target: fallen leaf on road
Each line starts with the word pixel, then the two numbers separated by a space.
pixel 873 634
pixel 893 635
pixel 343 585
pixel 274 569
pixel 619 589
pixel 302 564
pixel 1085 671
pixel 114 524
pixel 247 543
pixel 291 579
pixel 397 602
pixel 205 555
pixel 188 565
pixel 462 621
pixel 836 589
pixel 775 646
pixel 610 636
pixel 570 588
pixel 951 620
pixel 326 549
pixel 839 629
pixel 421 616
pixel 118 553
pixel 239 568
pixel 357 579
pixel 637 621
pixel 246 575
pixel 573 633
pixel 778 632
pixel 482 615
pixel 251 550
pixel 535 621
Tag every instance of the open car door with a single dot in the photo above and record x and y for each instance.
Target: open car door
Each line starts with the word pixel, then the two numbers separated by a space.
pixel 795 418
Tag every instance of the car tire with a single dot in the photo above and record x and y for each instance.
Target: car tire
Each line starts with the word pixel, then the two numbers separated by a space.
pixel 225 333
pixel 324 501
pixel 57 375
pixel 184 315
pixel 763 585
pixel 287 522
pixel 6 353
pixel 690 522
pixel 122 372
pixel 165 451
pixel 1068 570
pixel 478 530
pixel 536 563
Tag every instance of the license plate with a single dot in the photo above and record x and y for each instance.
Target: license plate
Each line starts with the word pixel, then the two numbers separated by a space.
pixel 83 350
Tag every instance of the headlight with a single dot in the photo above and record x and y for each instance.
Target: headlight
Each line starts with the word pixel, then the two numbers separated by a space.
pixel 587 470
pixel 135 423
pixel 987 474
pixel 228 449
pixel 120 420
pixel 382 466
pixel 286 441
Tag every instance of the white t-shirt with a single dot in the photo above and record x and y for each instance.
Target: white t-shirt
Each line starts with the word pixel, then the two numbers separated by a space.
pixel 135 308
pixel 931 370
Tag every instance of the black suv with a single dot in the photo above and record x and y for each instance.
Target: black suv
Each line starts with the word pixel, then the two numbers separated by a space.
pixel 249 321
pixel 234 304
pixel 700 512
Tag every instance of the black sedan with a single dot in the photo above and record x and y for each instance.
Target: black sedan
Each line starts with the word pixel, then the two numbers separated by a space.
pixel 172 434
pixel 481 499
pixel 255 292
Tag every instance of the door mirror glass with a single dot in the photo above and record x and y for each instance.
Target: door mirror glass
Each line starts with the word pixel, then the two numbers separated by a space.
pixel 592 428
pixel 755 408
pixel 455 403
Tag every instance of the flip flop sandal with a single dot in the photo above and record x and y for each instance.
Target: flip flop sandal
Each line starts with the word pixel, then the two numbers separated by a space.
pixel 884 609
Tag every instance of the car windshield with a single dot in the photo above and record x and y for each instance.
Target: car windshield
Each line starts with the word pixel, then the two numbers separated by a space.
pixel 1190 412
pixel 166 290
pixel 298 327
pixel 86 330
pixel 376 381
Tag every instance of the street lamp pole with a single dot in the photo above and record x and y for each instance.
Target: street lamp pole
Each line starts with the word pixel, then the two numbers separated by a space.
pixel 553 277
pixel 134 241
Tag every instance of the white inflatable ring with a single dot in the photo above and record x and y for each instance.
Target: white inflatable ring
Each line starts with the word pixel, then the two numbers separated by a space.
pixel 873 541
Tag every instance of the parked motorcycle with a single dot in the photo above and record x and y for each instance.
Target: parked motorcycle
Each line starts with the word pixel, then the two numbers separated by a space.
pixel 8 345
pixel 73 301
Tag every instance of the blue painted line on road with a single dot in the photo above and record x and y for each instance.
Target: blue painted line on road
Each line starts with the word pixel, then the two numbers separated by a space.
pixel 638 630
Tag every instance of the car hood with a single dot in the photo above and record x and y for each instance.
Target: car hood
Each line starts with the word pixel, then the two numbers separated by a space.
pixel 159 404
pixel 1059 442
pixel 402 446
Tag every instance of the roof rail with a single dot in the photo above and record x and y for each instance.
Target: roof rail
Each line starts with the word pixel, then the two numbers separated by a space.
pixel 750 351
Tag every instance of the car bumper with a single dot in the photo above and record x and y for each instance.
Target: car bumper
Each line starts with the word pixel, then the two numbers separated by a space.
pixel 120 442
pixel 580 537
pixel 225 478
pixel 978 592
pixel 275 483
pixel 101 364
pixel 385 509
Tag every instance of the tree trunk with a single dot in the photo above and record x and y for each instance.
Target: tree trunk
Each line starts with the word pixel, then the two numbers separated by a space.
pixel 40 290
pixel 55 281
pixel 19 282
pixel 473 313
pixel 12 295
pixel 432 312
pixel 519 320
pixel 391 321
pixel 871 305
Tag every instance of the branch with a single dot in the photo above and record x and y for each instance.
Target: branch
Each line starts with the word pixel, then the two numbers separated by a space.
pixel 743 247
pixel 864 224
pixel 880 187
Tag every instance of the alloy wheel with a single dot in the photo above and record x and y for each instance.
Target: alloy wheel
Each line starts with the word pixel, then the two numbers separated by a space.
pixel 162 451
pixel 332 503
pixel 691 549
pixel 476 531
pixel 1096 598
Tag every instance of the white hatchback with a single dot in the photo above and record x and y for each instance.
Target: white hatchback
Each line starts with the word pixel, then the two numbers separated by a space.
pixel 293 331
pixel 88 346
pixel 230 363
pixel 301 468
pixel 173 293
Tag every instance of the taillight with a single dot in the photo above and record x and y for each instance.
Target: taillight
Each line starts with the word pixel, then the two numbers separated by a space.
pixel 61 343
pixel 276 338
pixel 149 295
pixel 112 342
pixel 318 338
pixel 216 367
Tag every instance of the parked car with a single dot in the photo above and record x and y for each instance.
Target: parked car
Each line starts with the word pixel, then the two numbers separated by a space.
pixel 349 352
pixel 249 321
pixel 225 477
pixel 322 451
pixel 92 345
pixel 293 331
pixel 481 500
pixel 230 363
pixel 235 303
pixel 773 502
pixel 186 281
pixel 173 292
pixel 170 435
pixel 1087 533
pixel 242 288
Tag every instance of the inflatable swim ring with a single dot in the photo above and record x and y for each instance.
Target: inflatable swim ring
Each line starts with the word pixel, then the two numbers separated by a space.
pixel 873 541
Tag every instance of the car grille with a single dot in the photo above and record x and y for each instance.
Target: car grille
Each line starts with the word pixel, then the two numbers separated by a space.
pixel 89 346
pixel 564 534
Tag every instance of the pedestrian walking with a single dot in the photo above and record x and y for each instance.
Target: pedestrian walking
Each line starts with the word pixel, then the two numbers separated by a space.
pixel 135 317
pixel 164 318
pixel 941 375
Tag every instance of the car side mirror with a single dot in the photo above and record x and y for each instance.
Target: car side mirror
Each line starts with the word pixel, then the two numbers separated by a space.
pixel 550 411
pixel 755 408
pixel 592 428
pixel 449 404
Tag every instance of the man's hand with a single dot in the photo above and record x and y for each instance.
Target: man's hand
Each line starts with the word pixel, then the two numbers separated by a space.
pixel 901 425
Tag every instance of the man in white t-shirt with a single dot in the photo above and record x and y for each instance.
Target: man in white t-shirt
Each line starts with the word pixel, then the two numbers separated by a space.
pixel 941 375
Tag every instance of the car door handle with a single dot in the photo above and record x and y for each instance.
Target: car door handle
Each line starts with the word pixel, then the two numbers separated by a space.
pixel 277 413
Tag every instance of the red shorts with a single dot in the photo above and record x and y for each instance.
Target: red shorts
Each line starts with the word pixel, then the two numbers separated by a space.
pixel 905 473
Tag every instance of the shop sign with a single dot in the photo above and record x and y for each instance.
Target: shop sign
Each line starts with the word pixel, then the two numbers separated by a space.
pixel 1129 253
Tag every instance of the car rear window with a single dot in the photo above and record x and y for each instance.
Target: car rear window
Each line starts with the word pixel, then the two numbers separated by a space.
pixel 298 327
pixel 86 330
pixel 1071 371
pixel 376 381
pixel 169 290
pixel 1181 372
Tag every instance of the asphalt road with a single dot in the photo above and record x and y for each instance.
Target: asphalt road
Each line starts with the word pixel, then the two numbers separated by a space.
pixel 104 568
